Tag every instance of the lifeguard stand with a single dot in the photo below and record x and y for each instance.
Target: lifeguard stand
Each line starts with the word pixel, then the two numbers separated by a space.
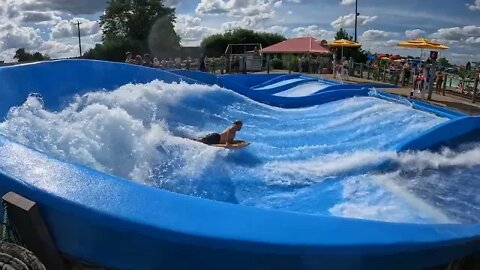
pixel 244 57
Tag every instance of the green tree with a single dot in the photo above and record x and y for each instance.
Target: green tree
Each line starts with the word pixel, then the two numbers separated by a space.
pixel 23 56
pixel 444 62
pixel 215 45
pixel 342 34
pixel 358 54
pixel 140 26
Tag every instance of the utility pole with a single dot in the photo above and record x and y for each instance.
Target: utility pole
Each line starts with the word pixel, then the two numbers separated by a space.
pixel 79 38
pixel 356 18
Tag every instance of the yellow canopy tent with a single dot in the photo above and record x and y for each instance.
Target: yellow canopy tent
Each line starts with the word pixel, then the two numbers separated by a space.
pixel 422 43
pixel 344 43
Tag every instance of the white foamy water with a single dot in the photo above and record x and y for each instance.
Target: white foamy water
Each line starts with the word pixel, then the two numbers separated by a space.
pixel 121 132
pixel 315 160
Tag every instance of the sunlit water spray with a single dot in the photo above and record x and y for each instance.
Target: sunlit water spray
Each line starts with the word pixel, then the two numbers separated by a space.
pixel 315 160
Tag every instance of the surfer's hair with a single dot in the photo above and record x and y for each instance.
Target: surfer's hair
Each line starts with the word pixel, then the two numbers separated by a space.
pixel 238 123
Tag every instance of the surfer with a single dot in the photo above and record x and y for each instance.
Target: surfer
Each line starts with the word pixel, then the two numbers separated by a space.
pixel 227 137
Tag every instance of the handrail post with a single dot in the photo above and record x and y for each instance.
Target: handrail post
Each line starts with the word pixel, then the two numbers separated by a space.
pixel 444 84
pixel 268 64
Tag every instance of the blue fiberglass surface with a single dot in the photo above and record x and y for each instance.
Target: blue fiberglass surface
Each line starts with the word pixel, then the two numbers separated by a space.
pixel 311 165
pixel 303 90
pixel 303 160
pixel 281 83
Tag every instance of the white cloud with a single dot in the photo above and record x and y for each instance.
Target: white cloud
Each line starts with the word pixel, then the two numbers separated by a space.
pixel 348 2
pixel 376 34
pixel 415 33
pixel 462 58
pixel 69 6
pixel 237 7
pixel 190 30
pixel 171 3
pixel 57 49
pixel 472 30
pixel 7 55
pixel 349 20
pixel 68 28
pixel 473 41
pixel 313 31
pixel 248 14
pixel 248 22
pixel 457 33
pixel 39 17
pixel 13 36
pixel 475 6
pixel 274 29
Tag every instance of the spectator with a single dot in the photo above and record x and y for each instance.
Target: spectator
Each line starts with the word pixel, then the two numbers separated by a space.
pixel 334 67
pixel 188 63
pixel 138 60
pixel 256 51
pixel 406 73
pixel 300 64
pixel 468 66
pixel 201 63
pixel 351 63
pixel 178 63
pixel 129 59
pixel 439 81
pixel 345 69
pixel 147 60
pixel 236 64
pixel 227 63
pixel 156 63
pixel 222 64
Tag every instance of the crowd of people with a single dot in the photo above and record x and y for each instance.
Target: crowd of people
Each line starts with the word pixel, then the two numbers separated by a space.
pixel 223 64
pixel 342 68
pixel 149 61
pixel 312 64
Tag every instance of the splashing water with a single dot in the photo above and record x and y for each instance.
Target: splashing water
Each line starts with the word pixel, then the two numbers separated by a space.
pixel 314 160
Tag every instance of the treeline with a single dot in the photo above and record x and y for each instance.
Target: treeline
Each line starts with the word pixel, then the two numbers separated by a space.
pixel 215 45
pixel 23 56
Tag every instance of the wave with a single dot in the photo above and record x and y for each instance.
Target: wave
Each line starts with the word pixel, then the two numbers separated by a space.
pixel 307 160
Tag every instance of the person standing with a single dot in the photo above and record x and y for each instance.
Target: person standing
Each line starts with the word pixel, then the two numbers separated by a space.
pixel 345 69
pixel 439 81
pixel 201 63
pixel 406 71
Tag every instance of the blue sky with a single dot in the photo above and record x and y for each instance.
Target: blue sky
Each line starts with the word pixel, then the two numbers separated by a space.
pixel 48 25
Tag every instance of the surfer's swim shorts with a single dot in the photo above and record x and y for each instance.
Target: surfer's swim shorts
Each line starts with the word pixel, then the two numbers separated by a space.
pixel 212 138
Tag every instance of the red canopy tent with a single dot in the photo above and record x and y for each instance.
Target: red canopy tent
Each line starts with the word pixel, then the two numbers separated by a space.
pixel 298 45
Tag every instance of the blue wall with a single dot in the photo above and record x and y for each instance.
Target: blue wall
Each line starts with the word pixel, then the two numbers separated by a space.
pixel 452 133
pixel 105 220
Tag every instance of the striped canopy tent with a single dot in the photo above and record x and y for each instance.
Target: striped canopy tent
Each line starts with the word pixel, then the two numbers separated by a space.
pixel 344 43
pixel 422 43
